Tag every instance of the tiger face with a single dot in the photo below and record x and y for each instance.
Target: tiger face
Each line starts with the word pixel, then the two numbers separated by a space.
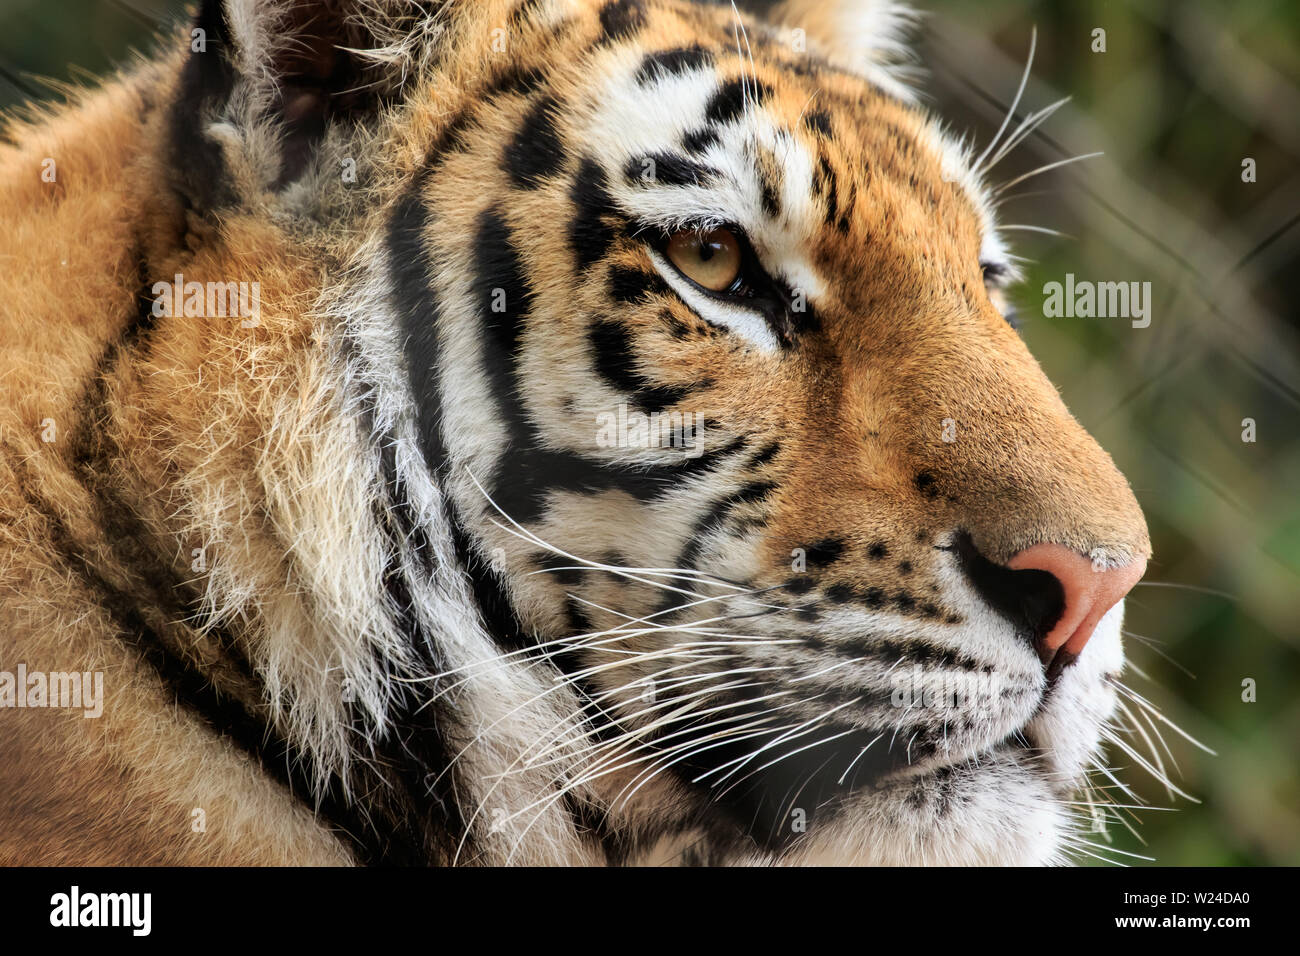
pixel 703 336
pixel 630 460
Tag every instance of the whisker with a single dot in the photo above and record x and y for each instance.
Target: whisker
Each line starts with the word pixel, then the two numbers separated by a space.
pixel 859 756
pixel 708 743
pixel 1020 91
pixel 1141 731
pixel 787 754
pixel 1155 712
pixel 1147 766
pixel 1043 169
pixel 741 761
pixel 1024 130
pixel 1111 849
pixel 1188 587
pixel 1018 227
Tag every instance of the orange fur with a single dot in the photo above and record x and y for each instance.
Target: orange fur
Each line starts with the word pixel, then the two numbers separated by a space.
pixel 235 441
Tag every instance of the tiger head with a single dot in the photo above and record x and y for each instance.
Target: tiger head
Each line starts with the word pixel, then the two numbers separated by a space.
pixel 730 511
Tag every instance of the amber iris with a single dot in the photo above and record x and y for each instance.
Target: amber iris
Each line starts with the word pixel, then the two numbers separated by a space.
pixel 711 259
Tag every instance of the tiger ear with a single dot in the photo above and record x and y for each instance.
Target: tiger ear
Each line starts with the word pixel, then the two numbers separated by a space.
pixel 265 79
pixel 869 37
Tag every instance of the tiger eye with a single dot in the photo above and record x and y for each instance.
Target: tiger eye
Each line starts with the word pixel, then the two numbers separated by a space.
pixel 711 259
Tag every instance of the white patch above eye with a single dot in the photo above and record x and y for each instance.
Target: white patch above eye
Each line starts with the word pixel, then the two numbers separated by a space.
pixel 749 324
pixel 632 121
pixel 629 119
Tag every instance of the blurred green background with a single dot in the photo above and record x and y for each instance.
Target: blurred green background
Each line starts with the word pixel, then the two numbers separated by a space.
pixel 1184 92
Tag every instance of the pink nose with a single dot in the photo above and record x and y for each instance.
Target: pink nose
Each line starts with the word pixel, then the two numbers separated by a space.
pixel 1089 593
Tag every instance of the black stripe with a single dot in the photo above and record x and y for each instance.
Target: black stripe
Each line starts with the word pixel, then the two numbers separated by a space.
pixel 196 167
pixel 562 569
pixel 888 651
pixel 615 361
pixel 591 231
pixel 536 152
pixel 619 19
pixel 633 286
pixel 769 194
pixel 417 310
pixel 517 81
pixel 733 97
pixel 668 169
pixel 699 140
pixel 502 294
pixel 819 121
pixel 765 454
pixel 825 552
pixel 418 305
pixel 846 217
pixel 673 62
pixel 826 182
pixel 490 592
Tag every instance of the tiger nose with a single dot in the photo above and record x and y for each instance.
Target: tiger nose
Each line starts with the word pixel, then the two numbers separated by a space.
pixel 1090 591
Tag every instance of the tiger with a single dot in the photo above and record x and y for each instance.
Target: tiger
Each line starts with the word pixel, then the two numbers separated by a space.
pixel 538 433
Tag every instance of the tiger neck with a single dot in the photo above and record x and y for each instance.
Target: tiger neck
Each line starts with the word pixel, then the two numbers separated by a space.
pixel 264 517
